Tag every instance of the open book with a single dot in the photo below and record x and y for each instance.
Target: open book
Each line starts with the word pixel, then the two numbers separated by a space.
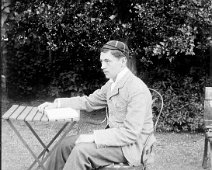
pixel 62 114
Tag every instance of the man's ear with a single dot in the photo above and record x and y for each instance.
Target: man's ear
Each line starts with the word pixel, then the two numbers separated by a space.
pixel 124 60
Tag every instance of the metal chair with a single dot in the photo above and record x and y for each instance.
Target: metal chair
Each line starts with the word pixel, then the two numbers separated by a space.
pixel 147 154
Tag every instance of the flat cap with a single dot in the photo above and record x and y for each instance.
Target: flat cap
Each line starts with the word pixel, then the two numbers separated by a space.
pixel 117 45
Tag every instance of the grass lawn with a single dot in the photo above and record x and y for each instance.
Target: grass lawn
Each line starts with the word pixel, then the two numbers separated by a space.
pixel 174 151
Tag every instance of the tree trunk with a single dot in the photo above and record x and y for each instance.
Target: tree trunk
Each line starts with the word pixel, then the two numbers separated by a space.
pixel 5 10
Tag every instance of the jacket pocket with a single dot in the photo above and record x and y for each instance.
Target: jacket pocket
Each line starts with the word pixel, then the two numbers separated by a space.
pixel 119 110
pixel 119 105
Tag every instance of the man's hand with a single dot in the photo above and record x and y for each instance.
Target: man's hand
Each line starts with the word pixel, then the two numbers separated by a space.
pixel 46 105
pixel 85 138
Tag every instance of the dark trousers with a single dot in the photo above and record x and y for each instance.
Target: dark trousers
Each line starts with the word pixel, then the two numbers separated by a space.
pixel 83 156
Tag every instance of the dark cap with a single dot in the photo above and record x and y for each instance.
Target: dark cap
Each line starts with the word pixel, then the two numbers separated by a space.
pixel 117 45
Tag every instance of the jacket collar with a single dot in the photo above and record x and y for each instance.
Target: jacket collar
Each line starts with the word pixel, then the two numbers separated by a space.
pixel 119 84
pixel 120 75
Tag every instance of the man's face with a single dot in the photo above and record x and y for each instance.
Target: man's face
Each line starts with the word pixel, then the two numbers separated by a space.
pixel 111 65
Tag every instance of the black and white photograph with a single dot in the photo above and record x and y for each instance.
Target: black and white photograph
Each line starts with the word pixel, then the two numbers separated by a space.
pixel 106 84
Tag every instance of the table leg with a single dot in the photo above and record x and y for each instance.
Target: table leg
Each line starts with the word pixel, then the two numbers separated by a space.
pixel 49 144
pixel 70 126
pixel 26 145
pixel 205 154
pixel 35 134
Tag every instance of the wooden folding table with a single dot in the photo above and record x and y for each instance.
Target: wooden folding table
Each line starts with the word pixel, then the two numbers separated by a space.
pixel 31 114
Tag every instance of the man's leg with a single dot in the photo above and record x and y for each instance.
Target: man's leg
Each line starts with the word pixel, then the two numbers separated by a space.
pixel 58 158
pixel 85 156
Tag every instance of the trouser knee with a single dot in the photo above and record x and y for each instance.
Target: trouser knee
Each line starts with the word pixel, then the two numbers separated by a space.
pixel 66 146
pixel 80 150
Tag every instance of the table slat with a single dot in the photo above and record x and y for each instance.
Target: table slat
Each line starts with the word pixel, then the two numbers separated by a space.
pixel 10 111
pixel 31 115
pixel 25 113
pixel 17 112
pixel 38 116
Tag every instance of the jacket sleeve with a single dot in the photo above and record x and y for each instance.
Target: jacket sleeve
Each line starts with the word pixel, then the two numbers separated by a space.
pixel 96 100
pixel 138 110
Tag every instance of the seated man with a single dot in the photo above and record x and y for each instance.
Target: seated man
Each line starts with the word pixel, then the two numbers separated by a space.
pixel 130 118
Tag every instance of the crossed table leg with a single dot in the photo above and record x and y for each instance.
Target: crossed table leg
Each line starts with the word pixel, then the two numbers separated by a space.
pixel 69 126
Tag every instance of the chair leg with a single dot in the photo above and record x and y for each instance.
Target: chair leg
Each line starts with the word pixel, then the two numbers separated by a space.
pixel 210 155
pixel 205 154
pixel 146 168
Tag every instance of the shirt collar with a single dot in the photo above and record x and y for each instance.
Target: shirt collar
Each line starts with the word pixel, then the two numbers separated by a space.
pixel 120 75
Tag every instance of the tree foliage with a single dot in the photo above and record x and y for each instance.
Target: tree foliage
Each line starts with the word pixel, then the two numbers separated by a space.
pixel 54 45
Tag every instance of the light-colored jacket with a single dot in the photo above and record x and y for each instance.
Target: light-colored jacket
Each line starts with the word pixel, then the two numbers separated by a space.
pixel 130 115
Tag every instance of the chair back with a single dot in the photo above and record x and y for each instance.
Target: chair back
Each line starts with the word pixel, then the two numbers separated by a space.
pixel 147 156
pixel 157 106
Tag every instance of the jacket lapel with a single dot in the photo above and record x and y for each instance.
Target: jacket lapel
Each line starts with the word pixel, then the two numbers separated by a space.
pixel 119 85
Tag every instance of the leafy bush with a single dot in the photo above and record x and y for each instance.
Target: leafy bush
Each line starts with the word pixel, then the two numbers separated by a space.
pixel 53 48
pixel 183 99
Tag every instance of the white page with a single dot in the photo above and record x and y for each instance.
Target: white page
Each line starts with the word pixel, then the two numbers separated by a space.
pixel 62 113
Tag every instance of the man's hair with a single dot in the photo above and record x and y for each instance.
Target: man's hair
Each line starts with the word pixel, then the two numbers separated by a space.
pixel 117 48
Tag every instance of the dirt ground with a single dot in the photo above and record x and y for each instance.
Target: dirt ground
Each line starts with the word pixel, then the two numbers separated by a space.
pixel 172 152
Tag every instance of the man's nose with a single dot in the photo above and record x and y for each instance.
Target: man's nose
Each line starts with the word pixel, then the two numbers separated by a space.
pixel 103 66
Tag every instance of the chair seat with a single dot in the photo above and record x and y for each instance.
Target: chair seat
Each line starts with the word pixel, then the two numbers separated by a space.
pixel 122 167
pixel 147 159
